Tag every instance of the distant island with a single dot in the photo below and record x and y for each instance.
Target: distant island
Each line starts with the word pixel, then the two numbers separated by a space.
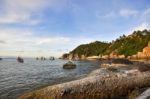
pixel 135 45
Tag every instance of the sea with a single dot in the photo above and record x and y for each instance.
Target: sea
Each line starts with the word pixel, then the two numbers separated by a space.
pixel 19 78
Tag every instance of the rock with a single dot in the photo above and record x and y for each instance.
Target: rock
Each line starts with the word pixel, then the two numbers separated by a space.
pixel 105 56
pixel 134 56
pixel 113 55
pixel 93 57
pixel 122 61
pixel 141 55
pixel 144 68
pixel 69 65
pixel 75 57
pixel 145 95
pixel 146 51
pixel 119 62
pixel 121 56
pixel 70 57
pixel 83 57
pixel 65 56
pixel 145 54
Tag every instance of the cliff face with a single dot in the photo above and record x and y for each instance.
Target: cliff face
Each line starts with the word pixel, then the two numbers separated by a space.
pixel 130 46
pixel 145 54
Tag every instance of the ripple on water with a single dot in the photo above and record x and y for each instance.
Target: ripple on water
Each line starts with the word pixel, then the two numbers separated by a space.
pixel 16 78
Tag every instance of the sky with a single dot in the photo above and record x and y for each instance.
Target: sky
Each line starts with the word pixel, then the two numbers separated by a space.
pixel 31 28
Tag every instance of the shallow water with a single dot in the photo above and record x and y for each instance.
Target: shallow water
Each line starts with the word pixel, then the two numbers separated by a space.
pixel 17 78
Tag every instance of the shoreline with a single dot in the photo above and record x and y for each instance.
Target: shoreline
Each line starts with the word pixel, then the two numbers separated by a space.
pixel 84 85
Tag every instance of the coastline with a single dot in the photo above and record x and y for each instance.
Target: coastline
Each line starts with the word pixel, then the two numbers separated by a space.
pixel 96 84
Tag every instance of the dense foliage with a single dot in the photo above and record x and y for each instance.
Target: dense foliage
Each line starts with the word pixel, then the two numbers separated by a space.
pixel 127 45
pixel 94 48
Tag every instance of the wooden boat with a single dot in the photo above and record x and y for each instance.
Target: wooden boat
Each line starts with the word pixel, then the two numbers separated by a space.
pixel 20 60
pixel 69 65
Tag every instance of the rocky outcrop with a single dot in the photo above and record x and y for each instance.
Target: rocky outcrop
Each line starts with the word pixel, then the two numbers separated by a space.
pixel 121 56
pixel 117 63
pixel 93 57
pixel 65 56
pixel 113 55
pixel 105 56
pixel 146 51
pixel 73 57
pixel 144 95
pixel 83 57
pixel 102 87
pixel 145 54
pixel 69 65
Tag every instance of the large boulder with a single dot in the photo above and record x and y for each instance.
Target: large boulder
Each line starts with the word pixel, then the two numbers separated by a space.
pixel 146 51
pixel 69 65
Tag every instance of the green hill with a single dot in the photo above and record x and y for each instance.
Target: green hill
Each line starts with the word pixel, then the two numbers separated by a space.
pixel 94 48
pixel 127 45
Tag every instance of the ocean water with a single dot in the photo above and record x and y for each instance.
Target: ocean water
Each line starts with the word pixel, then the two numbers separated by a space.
pixel 18 78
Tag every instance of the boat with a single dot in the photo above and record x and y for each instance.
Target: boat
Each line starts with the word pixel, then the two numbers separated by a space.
pixel 20 60
pixel 69 65
pixel 42 58
pixel 51 58
pixel 37 58
pixel 0 58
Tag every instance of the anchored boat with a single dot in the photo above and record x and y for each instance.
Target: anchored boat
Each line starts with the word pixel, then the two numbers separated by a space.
pixel 20 60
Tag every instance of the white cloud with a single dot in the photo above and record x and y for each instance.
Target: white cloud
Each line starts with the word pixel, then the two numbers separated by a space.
pixel 26 11
pixel 108 15
pixel 12 41
pixel 128 12
pixel 115 14
pixel 142 27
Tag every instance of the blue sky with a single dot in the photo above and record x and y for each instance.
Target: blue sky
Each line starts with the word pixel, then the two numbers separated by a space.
pixel 52 27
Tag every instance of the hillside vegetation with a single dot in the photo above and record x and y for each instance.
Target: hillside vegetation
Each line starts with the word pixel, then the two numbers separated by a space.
pixel 94 48
pixel 126 45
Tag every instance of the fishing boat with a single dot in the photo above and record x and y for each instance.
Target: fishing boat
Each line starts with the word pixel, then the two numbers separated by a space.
pixel 20 60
